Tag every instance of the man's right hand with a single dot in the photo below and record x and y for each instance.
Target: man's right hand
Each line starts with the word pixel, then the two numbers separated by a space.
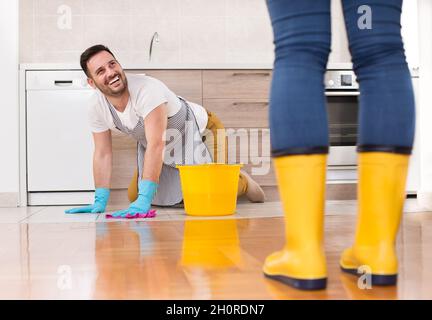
pixel 101 200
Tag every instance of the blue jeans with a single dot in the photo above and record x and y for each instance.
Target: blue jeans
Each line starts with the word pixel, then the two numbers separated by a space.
pixel 302 36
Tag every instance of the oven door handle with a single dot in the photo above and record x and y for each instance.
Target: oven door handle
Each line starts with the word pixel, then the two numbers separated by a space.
pixel 342 93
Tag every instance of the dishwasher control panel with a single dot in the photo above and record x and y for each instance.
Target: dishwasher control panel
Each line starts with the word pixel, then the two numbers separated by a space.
pixel 56 80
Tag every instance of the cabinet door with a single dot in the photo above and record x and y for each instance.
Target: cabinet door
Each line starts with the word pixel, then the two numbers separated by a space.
pixel 413 179
pixel 410 32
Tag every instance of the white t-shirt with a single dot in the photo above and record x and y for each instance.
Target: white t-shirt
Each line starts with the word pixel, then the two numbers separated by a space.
pixel 146 94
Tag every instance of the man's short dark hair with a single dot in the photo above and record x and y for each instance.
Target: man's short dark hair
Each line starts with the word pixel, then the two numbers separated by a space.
pixel 89 53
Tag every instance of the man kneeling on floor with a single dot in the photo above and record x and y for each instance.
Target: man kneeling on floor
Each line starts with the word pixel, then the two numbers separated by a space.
pixel 146 110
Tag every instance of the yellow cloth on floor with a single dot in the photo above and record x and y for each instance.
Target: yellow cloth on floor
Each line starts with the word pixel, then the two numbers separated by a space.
pixel 217 143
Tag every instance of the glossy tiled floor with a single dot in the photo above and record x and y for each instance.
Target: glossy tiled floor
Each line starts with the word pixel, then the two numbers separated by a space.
pixel 45 254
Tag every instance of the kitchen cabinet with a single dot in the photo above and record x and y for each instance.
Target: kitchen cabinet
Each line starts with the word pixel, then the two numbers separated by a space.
pixel 238 97
pixel 413 179
pixel 410 32
pixel 186 83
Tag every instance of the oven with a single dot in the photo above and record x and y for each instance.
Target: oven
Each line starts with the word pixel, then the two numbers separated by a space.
pixel 342 93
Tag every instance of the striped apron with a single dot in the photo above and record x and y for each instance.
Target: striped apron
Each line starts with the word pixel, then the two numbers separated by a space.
pixel 184 145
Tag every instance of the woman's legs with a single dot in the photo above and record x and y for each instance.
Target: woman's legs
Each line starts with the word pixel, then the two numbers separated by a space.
pixel 299 137
pixel 298 116
pixel 387 120
pixel 387 110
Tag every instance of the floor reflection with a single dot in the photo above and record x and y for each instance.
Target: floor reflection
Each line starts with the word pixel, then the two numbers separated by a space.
pixel 190 259
pixel 210 247
pixel 127 265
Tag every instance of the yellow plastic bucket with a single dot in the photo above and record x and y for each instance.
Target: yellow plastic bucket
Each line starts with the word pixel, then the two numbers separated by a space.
pixel 210 189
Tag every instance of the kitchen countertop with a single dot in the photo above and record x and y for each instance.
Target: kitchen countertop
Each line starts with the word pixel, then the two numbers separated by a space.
pixel 149 66
pixel 179 66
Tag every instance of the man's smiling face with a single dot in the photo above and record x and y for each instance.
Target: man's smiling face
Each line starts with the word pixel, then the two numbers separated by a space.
pixel 106 74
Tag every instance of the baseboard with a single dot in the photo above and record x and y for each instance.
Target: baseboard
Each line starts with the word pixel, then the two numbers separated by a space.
pixel 60 198
pixel 9 199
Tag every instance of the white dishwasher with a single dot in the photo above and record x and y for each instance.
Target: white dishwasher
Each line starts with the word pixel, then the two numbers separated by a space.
pixel 59 139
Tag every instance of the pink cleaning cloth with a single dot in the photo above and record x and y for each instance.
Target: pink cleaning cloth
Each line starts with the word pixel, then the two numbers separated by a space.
pixel 149 214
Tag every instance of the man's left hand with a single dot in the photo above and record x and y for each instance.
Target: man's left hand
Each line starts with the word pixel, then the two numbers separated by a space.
pixel 146 192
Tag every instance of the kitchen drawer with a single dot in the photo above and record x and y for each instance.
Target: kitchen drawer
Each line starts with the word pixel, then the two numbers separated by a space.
pixel 185 83
pixel 240 113
pixel 245 84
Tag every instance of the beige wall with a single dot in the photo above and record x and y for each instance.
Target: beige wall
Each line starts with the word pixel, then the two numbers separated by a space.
pixel 9 177
pixel 191 31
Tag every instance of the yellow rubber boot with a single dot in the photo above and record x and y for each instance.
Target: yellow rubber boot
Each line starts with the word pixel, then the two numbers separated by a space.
pixel 381 195
pixel 301 263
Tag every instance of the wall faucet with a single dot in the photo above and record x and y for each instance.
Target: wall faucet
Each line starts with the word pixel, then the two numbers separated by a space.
pixel 154 39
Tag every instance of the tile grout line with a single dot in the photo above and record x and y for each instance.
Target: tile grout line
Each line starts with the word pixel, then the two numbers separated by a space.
pixel 31 215
pixel 44 208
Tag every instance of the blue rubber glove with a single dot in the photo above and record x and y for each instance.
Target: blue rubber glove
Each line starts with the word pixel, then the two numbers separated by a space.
pixel 101 200
pixel 146 192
